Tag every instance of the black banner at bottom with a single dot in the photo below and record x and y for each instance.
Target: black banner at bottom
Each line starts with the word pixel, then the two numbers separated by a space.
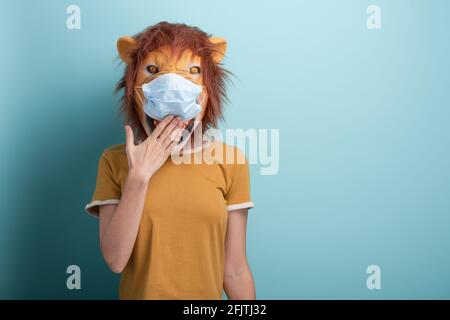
pixel 225 309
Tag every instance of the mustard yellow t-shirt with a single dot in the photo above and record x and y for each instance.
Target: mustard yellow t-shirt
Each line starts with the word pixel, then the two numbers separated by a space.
pixel 179 252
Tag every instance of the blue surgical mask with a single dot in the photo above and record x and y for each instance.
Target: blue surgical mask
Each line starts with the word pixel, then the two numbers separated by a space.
pixel 171 94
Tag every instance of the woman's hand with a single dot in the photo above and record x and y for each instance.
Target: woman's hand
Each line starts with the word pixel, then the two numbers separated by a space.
pixel 146 158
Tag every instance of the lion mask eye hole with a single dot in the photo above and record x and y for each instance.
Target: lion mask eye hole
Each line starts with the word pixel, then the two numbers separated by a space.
pixel 194 70
pixel 152 69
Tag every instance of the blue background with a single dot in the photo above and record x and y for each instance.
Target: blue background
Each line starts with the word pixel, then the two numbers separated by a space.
pixel 363 116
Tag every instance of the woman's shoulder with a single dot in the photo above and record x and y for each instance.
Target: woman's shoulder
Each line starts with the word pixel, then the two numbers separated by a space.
pixel 227 153
pixel 115 153
pixel 116 149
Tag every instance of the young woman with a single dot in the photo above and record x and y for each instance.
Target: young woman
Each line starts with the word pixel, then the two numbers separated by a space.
pixel 174 229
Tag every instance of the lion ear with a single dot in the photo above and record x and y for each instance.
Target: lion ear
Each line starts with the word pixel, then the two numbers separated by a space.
pixel 127 46
pixel 221 47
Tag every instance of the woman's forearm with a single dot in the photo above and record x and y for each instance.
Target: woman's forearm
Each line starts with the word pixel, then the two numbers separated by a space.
pixel 120 235
pixel 239 284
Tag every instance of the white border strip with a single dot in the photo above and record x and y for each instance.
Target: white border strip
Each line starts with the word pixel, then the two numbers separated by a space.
pixel 240 206
pixel 99 203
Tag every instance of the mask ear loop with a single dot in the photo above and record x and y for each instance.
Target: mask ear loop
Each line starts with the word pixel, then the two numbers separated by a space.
pixel 137 92
pixel 192 126
pixel 203 99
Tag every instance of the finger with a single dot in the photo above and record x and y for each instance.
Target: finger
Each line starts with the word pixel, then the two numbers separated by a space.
pixel 174 124
pixel 129 137
pixel 172 145
pixel 175 135
pixel 161 126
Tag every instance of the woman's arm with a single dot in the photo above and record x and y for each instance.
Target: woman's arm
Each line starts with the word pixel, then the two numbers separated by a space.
pixel 238 279
pixel 119 224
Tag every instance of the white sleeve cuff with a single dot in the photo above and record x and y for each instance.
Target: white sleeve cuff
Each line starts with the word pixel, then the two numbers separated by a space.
pixel 242 205
pixel 89 207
